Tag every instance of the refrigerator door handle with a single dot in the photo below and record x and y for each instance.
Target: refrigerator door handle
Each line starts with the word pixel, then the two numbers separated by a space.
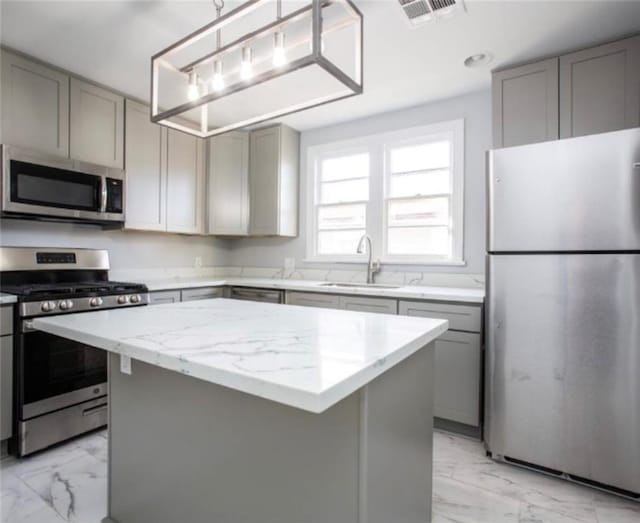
pixel 636 165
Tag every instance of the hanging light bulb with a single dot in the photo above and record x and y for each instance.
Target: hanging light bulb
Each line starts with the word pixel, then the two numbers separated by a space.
pixel 246 68
pixel 217 82
pixel 279 55
pixel 193 92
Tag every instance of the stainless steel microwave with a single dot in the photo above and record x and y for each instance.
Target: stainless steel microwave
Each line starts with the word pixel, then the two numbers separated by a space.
pixel 41 186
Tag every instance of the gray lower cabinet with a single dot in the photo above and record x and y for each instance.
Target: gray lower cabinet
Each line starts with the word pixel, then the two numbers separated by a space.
pixel 146 174
pixel 35 105
pixel 96 124
pixel 158 297
pixel 185 183
pixel 202 293
pixel 6 372
pixel 228 184
pixel 311 299
pixel 600 89
pixel 366 304
pixel 525 104
pixel 458 360
pixel 458 363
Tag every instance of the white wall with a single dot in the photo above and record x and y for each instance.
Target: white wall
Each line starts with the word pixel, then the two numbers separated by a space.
pixel 127 249
pixel 475 108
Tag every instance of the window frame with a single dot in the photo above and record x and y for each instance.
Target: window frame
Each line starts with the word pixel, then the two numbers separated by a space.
pixel 378 146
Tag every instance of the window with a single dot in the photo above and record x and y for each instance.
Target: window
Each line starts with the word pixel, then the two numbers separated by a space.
pixel 404 189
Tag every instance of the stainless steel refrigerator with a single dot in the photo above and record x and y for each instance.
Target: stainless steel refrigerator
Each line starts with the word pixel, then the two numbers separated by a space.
pixel 563 315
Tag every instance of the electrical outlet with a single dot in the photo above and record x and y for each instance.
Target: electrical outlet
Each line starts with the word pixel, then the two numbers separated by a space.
pixel 290 263
pixel 197 262
pixel 125 364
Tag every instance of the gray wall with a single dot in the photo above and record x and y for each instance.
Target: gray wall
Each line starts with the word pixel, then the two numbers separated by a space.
pixel 475 108
pixel 127 249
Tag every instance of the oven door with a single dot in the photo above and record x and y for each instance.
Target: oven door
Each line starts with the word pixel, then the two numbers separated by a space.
pixel 55 372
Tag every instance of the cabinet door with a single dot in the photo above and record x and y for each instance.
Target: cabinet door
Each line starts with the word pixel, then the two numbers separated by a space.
pixel 600 89
pixel 146 175
pixel 185 183
pixel 6 386
pixel 97 125
pixel 228 188
pixel 202 293
pixel 264 191
pixel 364 304
pixel 311 299
pixel 35 106
pixel 158 297
pixel 457 377
pixel 525 104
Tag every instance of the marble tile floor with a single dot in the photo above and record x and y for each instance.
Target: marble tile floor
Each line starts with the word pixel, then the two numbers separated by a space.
pixel 68 484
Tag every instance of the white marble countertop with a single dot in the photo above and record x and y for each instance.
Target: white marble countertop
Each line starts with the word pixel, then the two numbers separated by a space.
pixel 7 298
pixel 416 292
pixel 303 357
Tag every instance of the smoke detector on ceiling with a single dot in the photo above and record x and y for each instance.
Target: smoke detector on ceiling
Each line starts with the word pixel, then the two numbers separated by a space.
pixel 419 12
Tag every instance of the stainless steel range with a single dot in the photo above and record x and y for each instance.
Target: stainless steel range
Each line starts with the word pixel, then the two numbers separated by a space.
pixel 60 387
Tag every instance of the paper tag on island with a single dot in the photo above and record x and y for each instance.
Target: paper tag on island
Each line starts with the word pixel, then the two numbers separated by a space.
pixel 125 364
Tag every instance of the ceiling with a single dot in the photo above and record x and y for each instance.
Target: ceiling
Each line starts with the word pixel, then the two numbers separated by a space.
pixel 111 43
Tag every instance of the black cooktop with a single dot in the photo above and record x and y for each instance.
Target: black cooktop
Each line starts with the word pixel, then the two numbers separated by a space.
pixel 76 289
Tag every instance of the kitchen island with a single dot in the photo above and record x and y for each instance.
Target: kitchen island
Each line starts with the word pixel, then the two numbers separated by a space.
pixel 242 412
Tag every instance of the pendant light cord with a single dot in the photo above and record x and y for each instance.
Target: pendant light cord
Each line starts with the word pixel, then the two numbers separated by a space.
pixel 219 4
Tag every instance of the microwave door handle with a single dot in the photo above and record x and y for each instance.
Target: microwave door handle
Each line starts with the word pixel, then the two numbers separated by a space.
pixel 103 194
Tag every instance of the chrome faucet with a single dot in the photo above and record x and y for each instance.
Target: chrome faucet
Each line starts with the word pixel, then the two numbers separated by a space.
pixel 372 267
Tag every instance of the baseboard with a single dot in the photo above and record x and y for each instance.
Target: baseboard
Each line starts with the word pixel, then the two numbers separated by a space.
pixel 458 428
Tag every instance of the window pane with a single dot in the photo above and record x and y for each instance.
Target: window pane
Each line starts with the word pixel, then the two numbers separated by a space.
pixel 418 184
pixel 420 157
pixel 342 217
pixel 352 166
pixel 428 241
pixel 338 242
pixel 348 191
pixel 432 211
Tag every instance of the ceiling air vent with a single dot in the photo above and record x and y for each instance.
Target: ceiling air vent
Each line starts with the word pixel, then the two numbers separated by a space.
pixel 420 11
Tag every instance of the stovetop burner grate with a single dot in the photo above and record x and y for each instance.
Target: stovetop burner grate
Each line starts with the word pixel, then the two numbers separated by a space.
pixel 45 290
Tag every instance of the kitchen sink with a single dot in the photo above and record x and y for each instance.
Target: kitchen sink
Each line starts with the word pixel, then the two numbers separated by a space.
pixel 358 285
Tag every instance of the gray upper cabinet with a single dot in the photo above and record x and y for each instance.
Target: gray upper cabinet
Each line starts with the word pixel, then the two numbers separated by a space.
pixel 600 89
pixel 97 125
pixel 228 187
pixel 185 183
pixel 525 104
pixel 273 181
pixel 35 105
pixel 145 156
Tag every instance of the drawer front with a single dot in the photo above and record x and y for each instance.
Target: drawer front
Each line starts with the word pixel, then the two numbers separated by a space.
pixel 363 304
pixel 461 317
pixel 308 299
pixel 203 293
pixel 6 320
pixel 457 389
pixel 158 297
pixel 6 387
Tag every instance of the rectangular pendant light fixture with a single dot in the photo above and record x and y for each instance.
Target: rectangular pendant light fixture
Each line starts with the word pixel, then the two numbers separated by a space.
pixel 256 63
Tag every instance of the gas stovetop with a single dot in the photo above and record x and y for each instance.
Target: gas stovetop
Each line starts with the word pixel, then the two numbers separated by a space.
pixel 40 291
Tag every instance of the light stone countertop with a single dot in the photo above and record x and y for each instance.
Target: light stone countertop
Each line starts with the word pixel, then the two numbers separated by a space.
pixel 7 298
pixel 415 292
pixel 303 357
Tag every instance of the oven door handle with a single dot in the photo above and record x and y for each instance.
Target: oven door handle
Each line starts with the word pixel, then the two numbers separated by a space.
pixel 94 410
pixel 104 194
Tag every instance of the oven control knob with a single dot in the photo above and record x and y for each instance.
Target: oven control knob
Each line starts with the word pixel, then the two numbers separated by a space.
pixel 95 302
pixel 135 298
pixel 122 299
pixel 66 305
pixel 48 306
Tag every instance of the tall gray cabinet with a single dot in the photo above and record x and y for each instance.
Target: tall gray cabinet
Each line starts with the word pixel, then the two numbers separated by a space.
pixel 591 91
pixel 35 105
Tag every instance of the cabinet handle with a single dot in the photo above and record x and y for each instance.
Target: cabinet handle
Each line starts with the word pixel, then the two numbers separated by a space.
pixel 93 410
pixel 636 165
